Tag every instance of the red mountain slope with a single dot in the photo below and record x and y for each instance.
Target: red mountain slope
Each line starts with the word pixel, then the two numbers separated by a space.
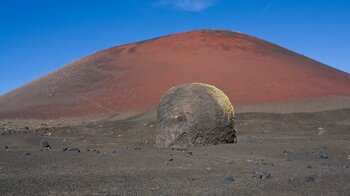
pixel 135 76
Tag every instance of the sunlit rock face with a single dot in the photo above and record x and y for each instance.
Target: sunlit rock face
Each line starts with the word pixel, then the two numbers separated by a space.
pixel 195 114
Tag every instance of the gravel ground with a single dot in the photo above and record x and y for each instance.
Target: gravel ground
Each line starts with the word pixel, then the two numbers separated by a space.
pixel 276 154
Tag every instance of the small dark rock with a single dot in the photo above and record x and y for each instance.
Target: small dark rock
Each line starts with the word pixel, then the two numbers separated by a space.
pixel 264 175
pixel 261 175
pixel 171 159
pixel 290 179
pixel 309 166
pixel 137 148
pixel 229 179
pixel 65 149
pixel 263 162
pixel 6 147
pixel 27 153
pixel 189 153
pixel 312 178
pixel 230 162
pixel 322 155
pixel 75 150
pixel 45 144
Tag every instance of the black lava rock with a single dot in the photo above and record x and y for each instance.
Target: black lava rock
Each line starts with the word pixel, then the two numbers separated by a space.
pixel 45 144
pixel 312 178
pixel 75 150
pixel 262 175
pixel 229 179
pixel 189 153
pixel 322 155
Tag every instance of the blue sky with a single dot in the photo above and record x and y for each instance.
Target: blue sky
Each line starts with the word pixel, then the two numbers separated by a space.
pixel 39 36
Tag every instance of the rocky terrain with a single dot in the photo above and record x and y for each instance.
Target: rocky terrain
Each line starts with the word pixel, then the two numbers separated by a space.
pixel 276 154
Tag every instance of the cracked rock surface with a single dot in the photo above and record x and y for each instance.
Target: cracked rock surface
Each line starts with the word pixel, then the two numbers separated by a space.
pixel 195 114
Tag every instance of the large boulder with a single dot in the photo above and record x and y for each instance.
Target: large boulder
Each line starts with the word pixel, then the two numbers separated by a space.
pixel 195 114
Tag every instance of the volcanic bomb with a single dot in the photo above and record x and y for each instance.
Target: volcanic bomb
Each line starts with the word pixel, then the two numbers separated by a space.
pixel 195 114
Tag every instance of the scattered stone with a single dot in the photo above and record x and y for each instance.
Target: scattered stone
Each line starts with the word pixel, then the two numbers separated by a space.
pixel 309 166
pixel 290 179
pixel 320 131
pixel 229 179
pixel 170 159
pixel 71 149
pixel 264 175
pixel 261 175
pixel 45 144
pixel 194 115
pixel 263 162
pixel 322 155
pixel 6 147
pixel 27 153
pixel 75 150
pixel 137 148
pixel 209 168
pixel 188 153
pixel 312 178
